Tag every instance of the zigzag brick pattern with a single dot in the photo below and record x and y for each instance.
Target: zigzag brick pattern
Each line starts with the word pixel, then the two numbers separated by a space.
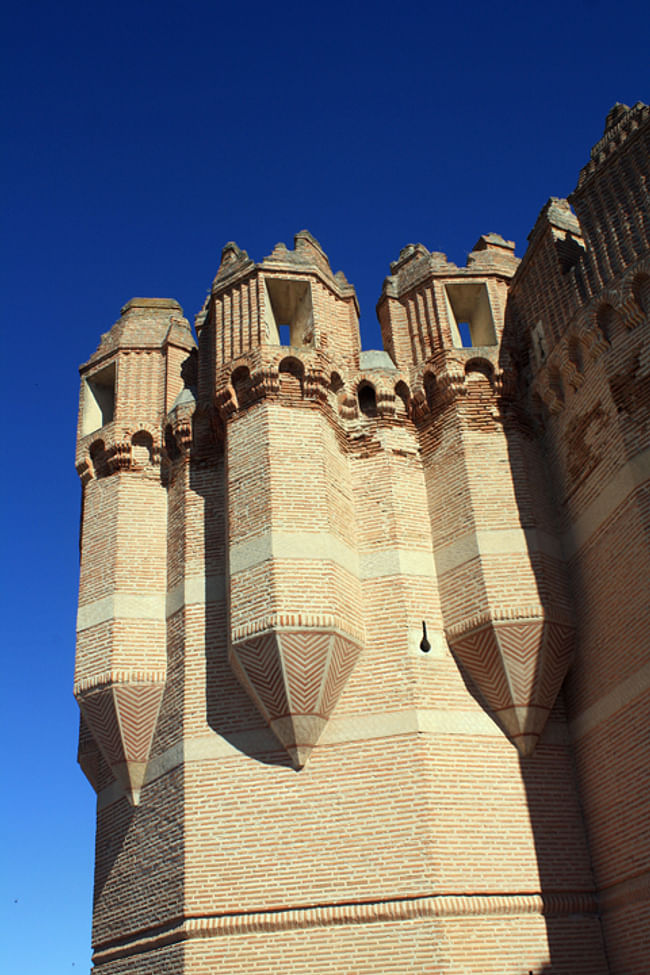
pixel 555 659
pixel 98 709
pixel 520 646
pixel 295 673
pixel 304 656
pixel 517 665
pixel 478 652
pixel 137 708
pixel 122 719
pixel 344 655
pixel 260 661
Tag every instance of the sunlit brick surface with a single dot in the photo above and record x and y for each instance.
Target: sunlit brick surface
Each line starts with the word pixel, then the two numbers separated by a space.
pixel 362 652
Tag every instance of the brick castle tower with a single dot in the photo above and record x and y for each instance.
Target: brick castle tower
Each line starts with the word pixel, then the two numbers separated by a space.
pixel 363 651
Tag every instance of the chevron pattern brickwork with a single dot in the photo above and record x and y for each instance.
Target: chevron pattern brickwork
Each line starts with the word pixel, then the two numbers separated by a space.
pixel 295 678
pixel 518 666
pixel 122 719
pixel 259 662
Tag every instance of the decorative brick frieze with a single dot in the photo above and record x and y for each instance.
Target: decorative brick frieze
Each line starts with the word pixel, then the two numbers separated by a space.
pixel 114 451
pixel 371 913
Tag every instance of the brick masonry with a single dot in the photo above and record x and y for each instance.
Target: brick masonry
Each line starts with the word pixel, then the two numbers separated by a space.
pixel 362 654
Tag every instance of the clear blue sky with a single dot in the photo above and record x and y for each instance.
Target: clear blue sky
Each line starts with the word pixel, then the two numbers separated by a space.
pixel 139 138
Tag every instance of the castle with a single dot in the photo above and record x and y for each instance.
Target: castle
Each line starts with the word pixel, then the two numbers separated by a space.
pixel 363 654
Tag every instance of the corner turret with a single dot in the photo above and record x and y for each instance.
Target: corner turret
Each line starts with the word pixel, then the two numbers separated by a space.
pixel 127 387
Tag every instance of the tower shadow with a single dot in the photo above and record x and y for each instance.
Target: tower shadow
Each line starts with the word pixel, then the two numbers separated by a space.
pixel 229 711
pixel 573 925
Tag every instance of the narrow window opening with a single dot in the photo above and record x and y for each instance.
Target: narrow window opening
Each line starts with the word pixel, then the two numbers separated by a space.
pixel 470 315
pixel 291 377
pixel 99 399
pixel 288 312
pixel 142 448
pixel 402 399
pixel 367 400
pixel 609 322
pixel 430 389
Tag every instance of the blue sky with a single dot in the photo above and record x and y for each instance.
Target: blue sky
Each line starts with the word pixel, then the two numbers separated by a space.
pixel 139 138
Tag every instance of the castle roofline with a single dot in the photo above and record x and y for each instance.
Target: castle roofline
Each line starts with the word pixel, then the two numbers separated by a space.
pixel 491 255
pixel 622 123
pixel 307 257
pixel 144 323
pixel 151 303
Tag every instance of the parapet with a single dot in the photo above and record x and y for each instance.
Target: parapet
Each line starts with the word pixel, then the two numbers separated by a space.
pixel 291 299
pixel 621 123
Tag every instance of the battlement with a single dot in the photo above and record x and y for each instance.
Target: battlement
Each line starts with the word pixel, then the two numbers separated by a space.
pixel 289 299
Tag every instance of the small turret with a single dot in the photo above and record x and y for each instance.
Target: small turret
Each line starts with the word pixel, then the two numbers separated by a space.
pixel 126 389
pixel 278 331
pixel 514 640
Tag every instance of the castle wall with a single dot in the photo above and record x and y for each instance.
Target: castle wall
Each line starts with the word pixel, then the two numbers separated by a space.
pixel 593 382
pixel 362 649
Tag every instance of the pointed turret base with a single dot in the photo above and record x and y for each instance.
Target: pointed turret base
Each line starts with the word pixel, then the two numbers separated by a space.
pixel 518 665
pixel 295 677
pixel 122 718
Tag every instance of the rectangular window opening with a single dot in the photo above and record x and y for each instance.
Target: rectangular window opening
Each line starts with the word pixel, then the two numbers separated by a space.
pixel 470 314
pixel 99 399
pixel 288 312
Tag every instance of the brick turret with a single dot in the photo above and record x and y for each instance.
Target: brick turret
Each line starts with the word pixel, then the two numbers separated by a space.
pixel 505 603
pixel 278 332
pixel 127 387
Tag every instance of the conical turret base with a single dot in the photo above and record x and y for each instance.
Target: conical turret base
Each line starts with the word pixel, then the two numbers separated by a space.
pixel 122 718
pixel 295 678
pixel 518 665
pixel 298 733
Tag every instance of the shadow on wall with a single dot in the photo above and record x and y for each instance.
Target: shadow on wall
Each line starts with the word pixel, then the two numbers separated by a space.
pixel 110 842
pixel 573 928
pixel 229 710
pixel 574 931
pixel 566 883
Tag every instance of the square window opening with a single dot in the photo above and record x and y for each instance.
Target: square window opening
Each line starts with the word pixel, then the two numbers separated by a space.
pixel 470 315
pixel 99 400
pixel 288 312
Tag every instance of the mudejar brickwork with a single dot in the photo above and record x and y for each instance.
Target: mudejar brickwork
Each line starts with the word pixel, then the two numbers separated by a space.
pixel 363 654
